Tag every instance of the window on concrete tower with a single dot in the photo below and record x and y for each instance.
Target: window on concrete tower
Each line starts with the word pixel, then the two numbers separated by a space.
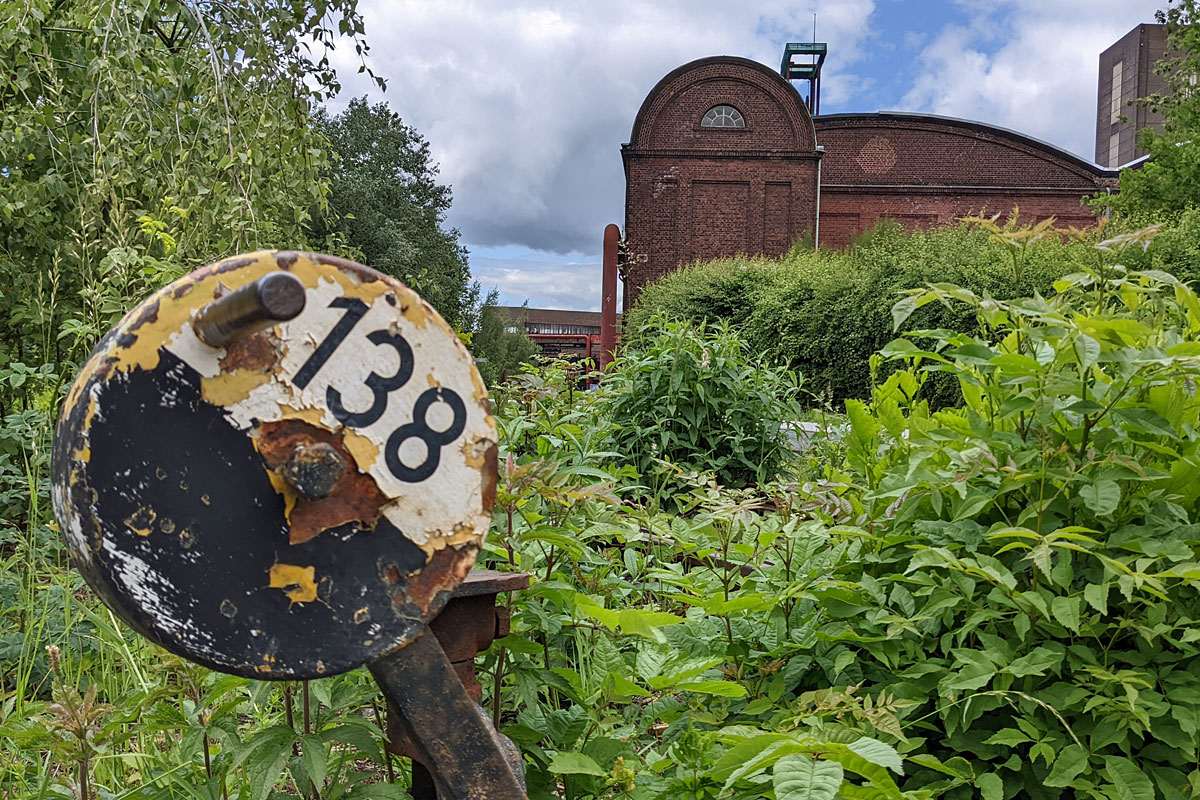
pixel 1114 103
pixel 1114 149
pixel 723 117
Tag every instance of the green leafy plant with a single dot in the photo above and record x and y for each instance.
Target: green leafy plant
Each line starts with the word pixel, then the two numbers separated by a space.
pixel 1030 590
pixel 693 395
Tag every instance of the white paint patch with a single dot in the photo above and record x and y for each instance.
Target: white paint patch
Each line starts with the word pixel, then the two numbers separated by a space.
pixel 64 511
pixel 448 500
pixel 155 595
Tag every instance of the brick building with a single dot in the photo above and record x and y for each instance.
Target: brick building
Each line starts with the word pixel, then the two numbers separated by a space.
pixel 556 332
pixel 1126 74
pixel 725 157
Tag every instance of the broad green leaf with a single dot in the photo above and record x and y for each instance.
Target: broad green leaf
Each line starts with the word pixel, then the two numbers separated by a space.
pixel 1008 737
pixel 977 670
pixel 902 310
pixel 1102 496
pixel 1035 662
pixel 621 688
pixel 1096 595
pixel 1070 762
pixel 574 763
pixel 1066 611
pixel 799 777
pixel 314 757
pixel 878 752
pixel 934 763
pixel 1129 782
pixel 1087 350
pixel 719 688
pixel 991 786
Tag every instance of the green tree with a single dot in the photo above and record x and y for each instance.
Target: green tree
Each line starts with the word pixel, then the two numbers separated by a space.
pixel 1170 181
pixel 387 203
pixel 499 352
pixel 142 138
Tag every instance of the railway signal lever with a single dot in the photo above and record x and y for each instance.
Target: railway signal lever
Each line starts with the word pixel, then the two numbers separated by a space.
pixel 282 466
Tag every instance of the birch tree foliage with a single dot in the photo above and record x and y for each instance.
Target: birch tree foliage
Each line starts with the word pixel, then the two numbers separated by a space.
pixel 142 138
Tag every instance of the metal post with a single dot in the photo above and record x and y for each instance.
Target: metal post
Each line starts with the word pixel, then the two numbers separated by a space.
pixel 608 297
pixel 467 756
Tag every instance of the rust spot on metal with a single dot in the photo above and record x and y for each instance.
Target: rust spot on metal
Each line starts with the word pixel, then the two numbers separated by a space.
pixel 362 615
pixel 355 497
pixel 254 352
pixel 491 468
pixel 285 258
pixel 167 526
pixel 442 573
pixel 391 574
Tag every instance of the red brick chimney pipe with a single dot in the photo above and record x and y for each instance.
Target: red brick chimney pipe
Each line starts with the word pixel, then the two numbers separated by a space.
pixel 608 296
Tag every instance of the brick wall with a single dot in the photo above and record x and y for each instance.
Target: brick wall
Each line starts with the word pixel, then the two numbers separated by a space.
pixel 700 193
pixel 697 193
pixel 923 171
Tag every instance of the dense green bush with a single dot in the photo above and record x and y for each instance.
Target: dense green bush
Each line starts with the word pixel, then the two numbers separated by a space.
pixel 1032 597
pixel 693 395
pixel 824 313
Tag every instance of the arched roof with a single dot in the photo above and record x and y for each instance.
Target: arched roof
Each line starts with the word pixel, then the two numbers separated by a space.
pixel 716 72
pixel 1060 166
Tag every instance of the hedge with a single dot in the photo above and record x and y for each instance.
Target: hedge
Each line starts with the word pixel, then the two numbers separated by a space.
pixel 824 313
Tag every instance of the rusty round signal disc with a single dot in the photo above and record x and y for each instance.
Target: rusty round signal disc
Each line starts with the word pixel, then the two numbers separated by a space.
pixel 294 503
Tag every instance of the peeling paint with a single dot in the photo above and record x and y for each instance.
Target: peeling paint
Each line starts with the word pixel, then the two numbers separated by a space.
pixel 424 504
pixel 298 582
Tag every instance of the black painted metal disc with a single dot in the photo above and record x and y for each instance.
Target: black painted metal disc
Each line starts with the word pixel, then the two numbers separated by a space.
pixel 177 467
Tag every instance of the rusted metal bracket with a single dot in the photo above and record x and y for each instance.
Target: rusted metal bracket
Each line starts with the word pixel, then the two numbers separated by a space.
pixel 470 759
pixel 467 626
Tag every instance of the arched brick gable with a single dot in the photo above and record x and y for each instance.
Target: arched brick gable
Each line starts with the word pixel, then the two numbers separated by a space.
pixel 699 193
pixel 776 118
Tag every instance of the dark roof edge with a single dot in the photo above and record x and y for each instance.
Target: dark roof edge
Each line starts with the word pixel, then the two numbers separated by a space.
pixel 976 125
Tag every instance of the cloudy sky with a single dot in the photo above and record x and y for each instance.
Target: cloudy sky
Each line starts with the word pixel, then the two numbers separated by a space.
pixel 527 102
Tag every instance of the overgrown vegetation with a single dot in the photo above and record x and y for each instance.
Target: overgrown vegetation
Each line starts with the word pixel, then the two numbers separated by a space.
pixel 996 600
pixel 986 589
pixel 824 313
pixel 696 398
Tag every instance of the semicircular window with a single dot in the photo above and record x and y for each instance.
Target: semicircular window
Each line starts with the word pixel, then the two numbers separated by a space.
pixel 723 117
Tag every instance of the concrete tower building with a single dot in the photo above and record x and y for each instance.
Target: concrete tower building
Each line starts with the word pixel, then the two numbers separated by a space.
pixel 1126 74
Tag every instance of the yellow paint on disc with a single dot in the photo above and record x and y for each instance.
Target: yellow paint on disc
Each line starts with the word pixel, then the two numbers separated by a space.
pixel 232 387
pixel 364 450
pixel 178 302
pixel 141 521
pixel 299 582
pixel 284 490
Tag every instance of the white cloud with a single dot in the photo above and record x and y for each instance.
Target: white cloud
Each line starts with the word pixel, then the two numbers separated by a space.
pixel 526 104
pixel 1040 79
pixel 543 283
